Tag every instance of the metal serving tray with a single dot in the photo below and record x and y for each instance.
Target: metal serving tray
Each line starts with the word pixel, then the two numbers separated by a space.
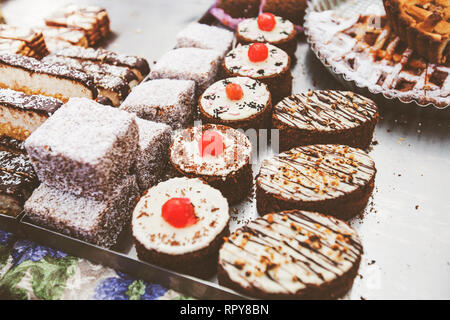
pixel 405 228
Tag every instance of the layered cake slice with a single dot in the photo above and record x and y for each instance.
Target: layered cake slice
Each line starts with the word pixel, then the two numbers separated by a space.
pixel 163 100
pixel 180 224
pixel 33 41
pixel 17 181
pixel 332 179
pixel 153 151
pixel 59 37
pixel 36 77
pixel 85 148
pixel 21 114
pixel 217 154
pixel 139 66
pixel 238 102
pixel 199 65
pixel 96 222
pixel 291 255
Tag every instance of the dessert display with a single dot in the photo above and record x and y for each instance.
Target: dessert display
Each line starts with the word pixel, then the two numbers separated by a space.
pixel 262 62
pixel 238 102
pixel 163 100
pixel 152 153
pixel 199 65
pixel 37 77
pixel 180 224
pixel 139 66
pixel 268 28
pixel 325 117
pixel 20 40
pixel 84 148
pixel 95 221
pixel 197 35
pixel 291 255
pixel 92 20
pixel 17 181
pixel 21 114
pixel 366 51
pixel 217 154
pixel 331 179
pixel 424 25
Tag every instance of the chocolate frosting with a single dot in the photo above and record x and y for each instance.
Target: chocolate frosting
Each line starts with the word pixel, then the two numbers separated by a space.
pixel 37 103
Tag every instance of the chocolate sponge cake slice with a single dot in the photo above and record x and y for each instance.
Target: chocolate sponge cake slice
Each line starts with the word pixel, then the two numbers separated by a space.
pixel 36 77
pixel 21 114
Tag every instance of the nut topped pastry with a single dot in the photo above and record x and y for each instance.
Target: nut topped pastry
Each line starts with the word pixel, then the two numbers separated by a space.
pixel 291 255
pixel 424 25
pixel 332 179
pixel 323 117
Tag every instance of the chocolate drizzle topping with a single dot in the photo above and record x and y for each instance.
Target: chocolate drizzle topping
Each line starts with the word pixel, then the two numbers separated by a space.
pixel 289 251
pixel 37 103
pixel 325 110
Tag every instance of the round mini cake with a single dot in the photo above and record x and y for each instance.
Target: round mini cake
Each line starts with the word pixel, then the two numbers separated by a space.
pixel 332 179
pixel 217 154
pixel 291 255
pixel 180 224
pixel 238 102
pixel 269 29
pixel 263 62
pixel 325 117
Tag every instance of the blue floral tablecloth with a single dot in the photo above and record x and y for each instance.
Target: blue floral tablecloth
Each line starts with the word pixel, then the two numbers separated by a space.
pixel 32 271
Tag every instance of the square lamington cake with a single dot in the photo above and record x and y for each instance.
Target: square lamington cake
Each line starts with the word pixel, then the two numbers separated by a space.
pixel 164 100
pixel 85 148
pixel 153 151
pixel 199 65
pixel 197 35
pixel 96 222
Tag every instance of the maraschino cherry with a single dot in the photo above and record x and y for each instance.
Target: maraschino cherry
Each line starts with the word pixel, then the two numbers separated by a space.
pixel 179 212
pixel 211 143
pixel 258 52
pixel 234 91
pixel 266 21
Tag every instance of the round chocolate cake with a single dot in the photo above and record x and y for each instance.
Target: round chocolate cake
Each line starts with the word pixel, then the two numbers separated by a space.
pixel 238 102
pixel 291 255
pixel 180 224
pixel 217 154
pixel 331 179
pixel 325 117
pixel 270 29
pixel 263 62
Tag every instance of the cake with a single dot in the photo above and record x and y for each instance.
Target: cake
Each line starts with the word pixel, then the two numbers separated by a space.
pixel 139 66
pixel 95 221
pixel 335 180
pixel 17 181
pixel 180 224
pixel 238 102
pixel 268 28
pixel 153 152
pixel 60 37
pixel 291 255
pixel 293 10
pixel 239 8
pixel 22 40
pixel 262 62
pixel 21 114
pixel 424 25
pixel 163 100
pixel 85 148
pixel 37 77
pixel 216 154
pixel 325 117
pixel 197 35
pixel 199 65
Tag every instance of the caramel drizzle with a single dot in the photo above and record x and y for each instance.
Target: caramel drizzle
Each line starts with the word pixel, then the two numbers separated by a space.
pixel 325 109
pixel 311 262
pixel 307 161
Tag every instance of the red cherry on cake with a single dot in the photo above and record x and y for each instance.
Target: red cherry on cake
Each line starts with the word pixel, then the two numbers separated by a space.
pixel 179 212
pixel 258 52
pixel 211 143
pixel 266 21
pixel 234 91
